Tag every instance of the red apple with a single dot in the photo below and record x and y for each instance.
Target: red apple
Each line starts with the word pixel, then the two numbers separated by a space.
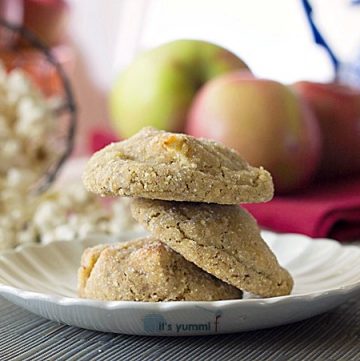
pixel 12 12
pixel 47 19
pixel 264 121
pixel 41 72
pixel 337 109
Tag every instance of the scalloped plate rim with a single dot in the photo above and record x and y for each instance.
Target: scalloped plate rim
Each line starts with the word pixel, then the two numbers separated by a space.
pixel 68 301
pixel 9 292
pixel 63 300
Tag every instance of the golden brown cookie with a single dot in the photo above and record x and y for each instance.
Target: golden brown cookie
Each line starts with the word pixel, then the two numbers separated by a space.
pixel 146 270
pixel 160 165
pixel 222 240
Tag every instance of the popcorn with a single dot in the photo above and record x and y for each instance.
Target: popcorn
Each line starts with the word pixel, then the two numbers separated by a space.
pixel 74 213
pixel 31 119
pixel 27 235
pixel 26 123
pixel 19 85
pixel 26 120
pixel 69 213
pixel 11 148
pixel 5 130
pixel 18 178
pixel 48 215
pixel 7 239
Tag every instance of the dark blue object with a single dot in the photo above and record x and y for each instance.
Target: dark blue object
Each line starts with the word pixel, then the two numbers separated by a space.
pixel 318 38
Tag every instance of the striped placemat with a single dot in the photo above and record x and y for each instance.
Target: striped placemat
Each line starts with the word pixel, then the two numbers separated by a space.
pixel 332 336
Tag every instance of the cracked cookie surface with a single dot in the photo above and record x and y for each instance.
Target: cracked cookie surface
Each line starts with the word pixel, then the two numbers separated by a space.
pixel 223 240
pixel 146 270
pixel 161 165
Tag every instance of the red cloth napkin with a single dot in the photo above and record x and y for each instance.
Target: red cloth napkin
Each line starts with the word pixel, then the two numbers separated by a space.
pixel 325 210
pixel 99 139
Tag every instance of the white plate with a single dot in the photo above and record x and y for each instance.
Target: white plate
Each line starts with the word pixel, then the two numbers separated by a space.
pixel 42 279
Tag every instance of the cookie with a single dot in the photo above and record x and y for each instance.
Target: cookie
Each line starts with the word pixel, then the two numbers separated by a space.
pixel 160 165
pixel 223 240
pixel 146 270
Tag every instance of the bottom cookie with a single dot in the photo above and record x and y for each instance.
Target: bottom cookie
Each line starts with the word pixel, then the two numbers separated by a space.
pixel 146 270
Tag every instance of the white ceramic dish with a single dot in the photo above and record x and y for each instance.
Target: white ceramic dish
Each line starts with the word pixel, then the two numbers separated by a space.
pixel 42 279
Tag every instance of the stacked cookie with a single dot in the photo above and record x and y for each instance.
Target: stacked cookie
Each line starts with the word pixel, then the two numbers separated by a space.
pixel 203 245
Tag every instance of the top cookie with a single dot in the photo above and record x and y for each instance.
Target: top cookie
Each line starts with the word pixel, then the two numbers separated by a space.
pixel 224 241
pixel 167 166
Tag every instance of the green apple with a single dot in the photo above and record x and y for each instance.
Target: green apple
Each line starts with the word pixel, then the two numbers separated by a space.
pixel 158 87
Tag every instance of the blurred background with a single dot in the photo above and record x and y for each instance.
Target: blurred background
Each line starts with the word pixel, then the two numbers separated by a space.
pixel 307 113
pixel 96 40
pixel 274 37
